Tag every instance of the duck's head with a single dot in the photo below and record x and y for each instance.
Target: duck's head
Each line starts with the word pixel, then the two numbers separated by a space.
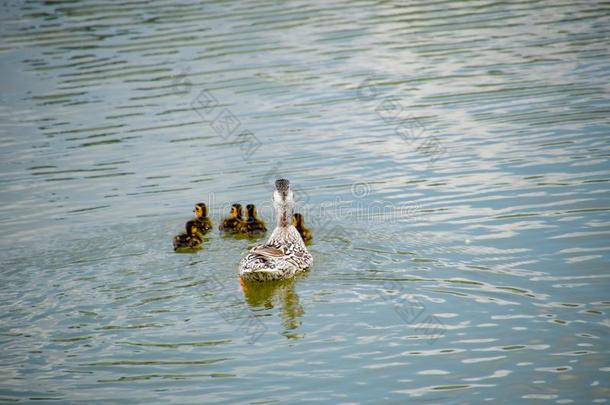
pixel 201 210
pixel 283 196
pixel 283 201
pixel 297 220
pixel 251 211
pixel 236 211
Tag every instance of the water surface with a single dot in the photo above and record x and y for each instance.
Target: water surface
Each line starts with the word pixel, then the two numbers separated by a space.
pixel 450 157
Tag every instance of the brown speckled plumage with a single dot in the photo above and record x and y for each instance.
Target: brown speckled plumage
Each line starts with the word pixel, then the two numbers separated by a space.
pixel 284 254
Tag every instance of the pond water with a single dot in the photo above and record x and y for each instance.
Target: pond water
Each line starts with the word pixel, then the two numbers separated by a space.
pixel 451 159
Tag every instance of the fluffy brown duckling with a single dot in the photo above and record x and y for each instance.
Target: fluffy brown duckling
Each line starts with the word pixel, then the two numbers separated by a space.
pixel 191 239
pixel 234 222
pixel 299 223
pixel 252 225
pixel 201 218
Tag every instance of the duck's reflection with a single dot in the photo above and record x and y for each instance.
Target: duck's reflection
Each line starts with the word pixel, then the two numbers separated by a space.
pixel 273 293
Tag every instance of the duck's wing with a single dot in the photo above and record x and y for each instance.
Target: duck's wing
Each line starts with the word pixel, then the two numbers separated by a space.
pixel 267 251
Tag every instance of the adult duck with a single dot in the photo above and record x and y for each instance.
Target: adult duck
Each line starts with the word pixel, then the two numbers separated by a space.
pixel 284 254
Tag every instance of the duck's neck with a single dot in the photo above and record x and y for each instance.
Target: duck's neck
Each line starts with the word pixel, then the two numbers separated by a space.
pixel 284 218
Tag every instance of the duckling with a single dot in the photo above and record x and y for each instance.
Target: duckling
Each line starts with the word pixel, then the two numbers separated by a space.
pixel 299 223
pixel 252 225
pixel 234 222
pixel 192 239
pixel 201 218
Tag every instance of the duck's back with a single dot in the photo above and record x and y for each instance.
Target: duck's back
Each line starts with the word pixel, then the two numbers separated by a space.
pixel 230 224
pixel 204 224
pixel 185 241
pixel 180 241
pixel 253 227
pixel 281 257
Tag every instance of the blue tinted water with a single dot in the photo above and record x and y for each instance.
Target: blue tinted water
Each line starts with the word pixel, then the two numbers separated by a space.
pixel 451 159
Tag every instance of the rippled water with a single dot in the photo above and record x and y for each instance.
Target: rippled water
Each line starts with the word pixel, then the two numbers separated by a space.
pixel 451 159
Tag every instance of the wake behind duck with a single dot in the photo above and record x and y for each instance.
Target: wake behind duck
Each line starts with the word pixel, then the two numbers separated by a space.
pixel 284 254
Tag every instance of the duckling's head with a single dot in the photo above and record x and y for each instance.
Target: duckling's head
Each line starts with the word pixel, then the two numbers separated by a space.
pixel 236 211
pixel 251 210
pixel 201 210
pixel 191 228
pixel 297 220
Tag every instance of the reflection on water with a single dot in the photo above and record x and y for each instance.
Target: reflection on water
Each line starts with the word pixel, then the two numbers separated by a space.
pixel 108 138
pixel 284 295
pixel 280 293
